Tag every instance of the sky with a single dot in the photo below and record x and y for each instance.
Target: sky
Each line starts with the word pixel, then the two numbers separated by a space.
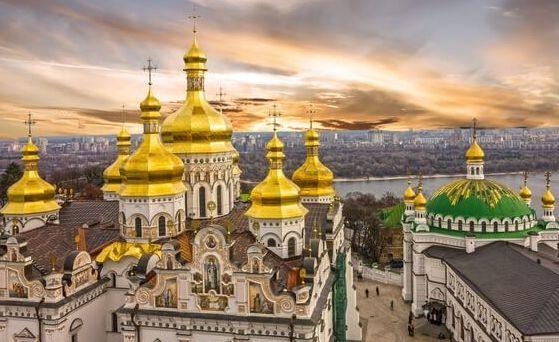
pixel 363 64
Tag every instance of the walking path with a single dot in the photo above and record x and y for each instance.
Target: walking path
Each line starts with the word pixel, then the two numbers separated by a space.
pixel 382 324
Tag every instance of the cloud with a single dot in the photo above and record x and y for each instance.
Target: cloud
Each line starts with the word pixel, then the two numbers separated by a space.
pixel 355 125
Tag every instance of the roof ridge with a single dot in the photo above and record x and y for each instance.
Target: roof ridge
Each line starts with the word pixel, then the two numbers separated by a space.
pixel 545 306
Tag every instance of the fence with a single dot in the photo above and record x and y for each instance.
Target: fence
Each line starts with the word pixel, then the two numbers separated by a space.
pixel 386 277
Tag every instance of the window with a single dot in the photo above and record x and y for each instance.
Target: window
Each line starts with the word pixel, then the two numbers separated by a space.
pixel 440 222
pixel 179 221
pixel 483 226
pixel 291 247
pixel 114 322
pixel 138 226
pixel 471 226
pixel 271 242
pixel 449 224
pixel 75 338
pixel 516 225
pixel 506 226
pixel 15 229
pixel 495 226
pixel 460 225
pixel 219 200
pixel 161 225
pixel 202 201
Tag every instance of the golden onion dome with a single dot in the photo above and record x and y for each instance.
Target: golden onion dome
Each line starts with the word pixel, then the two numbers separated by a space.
pixel 196 127
pixel 409 194
pixel 313 177
pixel 151 170
pixel 30 194
pixel 475 152
pixel 236 157
pixel 420 201
pixel 276 197
pixel 111 175
pixel 548 199
pixel 525 192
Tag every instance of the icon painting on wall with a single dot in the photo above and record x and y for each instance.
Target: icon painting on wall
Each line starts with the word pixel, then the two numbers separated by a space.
pixel 168 299
pixel 16 289
pixel 258 302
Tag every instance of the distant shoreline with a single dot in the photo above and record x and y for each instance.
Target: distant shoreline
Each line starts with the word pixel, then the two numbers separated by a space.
pixel 386 178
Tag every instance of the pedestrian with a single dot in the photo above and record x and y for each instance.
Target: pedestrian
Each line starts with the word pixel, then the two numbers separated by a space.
pixel 378 292
pixel 392 305
pixel 412 330
pixel 410 318
pixel 367 293
pixel 409 329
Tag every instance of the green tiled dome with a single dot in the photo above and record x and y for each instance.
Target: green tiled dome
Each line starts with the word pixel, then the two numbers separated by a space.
pixel 477 198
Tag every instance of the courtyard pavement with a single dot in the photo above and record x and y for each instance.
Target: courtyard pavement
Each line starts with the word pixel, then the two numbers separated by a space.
pixel 382 324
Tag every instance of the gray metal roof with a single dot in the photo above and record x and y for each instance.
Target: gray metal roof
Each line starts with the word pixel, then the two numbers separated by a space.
pixel 523 291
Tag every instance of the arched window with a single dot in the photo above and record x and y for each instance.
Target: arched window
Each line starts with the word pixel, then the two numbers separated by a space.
pixel 477 170
pixel 460 225
pixel 219 200
pixel 449 223
pixel 122 218
pixel 506 226
pixel 271 242
pixel 483 226
pixel 15 229
pixel 495 226
pixel 440 222
pixel 179 221
pixel 516 225
pixel 138 226
pixel 291 246
pixel 161 225
pixel 471 226
pixel 202 201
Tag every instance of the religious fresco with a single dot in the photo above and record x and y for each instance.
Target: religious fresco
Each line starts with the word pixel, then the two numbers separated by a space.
pixel 211 275
pixel 210 242
pixel 227 286
pixel 16 289
pixel 258 302
pixel 168 298
pixel 212 302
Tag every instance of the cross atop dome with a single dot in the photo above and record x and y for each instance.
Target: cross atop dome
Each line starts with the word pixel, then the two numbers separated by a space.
pixel 275 114
pixel 311 112
pixel 29 122
pixel 149 69
pixel 194 17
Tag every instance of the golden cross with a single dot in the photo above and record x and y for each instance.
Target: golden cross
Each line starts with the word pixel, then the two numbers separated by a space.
pixel 275 114
pixel 221 94
pixel 123 115
pixel 547 179
pixel 150 68
pixel 420 182
pixel 475 128
pixel 194 17
pixel 311 112
pixel 29 122
pixel 525 178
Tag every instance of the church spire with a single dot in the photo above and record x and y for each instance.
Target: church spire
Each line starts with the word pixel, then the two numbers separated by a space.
pixel 474 157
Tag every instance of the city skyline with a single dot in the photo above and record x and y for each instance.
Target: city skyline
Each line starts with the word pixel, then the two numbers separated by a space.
pixel 74 65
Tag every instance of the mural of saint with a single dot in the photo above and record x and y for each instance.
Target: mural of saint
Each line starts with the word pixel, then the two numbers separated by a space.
pixel 212 275
pixel 15 288
pixel 168 298
pixel 210 242
pixel 258 302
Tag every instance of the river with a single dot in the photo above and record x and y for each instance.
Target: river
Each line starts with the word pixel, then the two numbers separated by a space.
pixel 396 185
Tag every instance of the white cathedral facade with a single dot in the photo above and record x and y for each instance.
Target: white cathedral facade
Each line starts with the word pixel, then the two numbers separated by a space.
pixel 170 253
pixel 478 261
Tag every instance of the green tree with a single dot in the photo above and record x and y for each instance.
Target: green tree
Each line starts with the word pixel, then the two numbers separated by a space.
pixel 11 175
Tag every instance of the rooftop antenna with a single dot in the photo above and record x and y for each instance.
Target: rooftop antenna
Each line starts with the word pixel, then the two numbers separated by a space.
pixel 150 69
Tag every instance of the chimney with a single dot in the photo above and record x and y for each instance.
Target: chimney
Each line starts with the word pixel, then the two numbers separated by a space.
pixel 470 240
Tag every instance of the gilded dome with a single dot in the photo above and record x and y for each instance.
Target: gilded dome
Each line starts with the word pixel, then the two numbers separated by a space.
pixel 548 199
pixel 313 178
pixel 409 194
pixel 151 170
pixel 196 127
pixel 276 197
pixel 479 198
pixel 475 152
pixel 525 192
pixel 236 157
pixel 111 175
pixel 30 194
pixel 420 201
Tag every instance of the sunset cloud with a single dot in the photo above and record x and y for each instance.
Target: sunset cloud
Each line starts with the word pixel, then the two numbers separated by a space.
pixel 75 64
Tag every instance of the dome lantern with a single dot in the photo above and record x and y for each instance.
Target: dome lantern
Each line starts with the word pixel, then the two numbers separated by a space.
pixel 409 198
pixel 548 200
pixel 525 192
pixel 313 177
pixel 474 157
pixel 31 202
